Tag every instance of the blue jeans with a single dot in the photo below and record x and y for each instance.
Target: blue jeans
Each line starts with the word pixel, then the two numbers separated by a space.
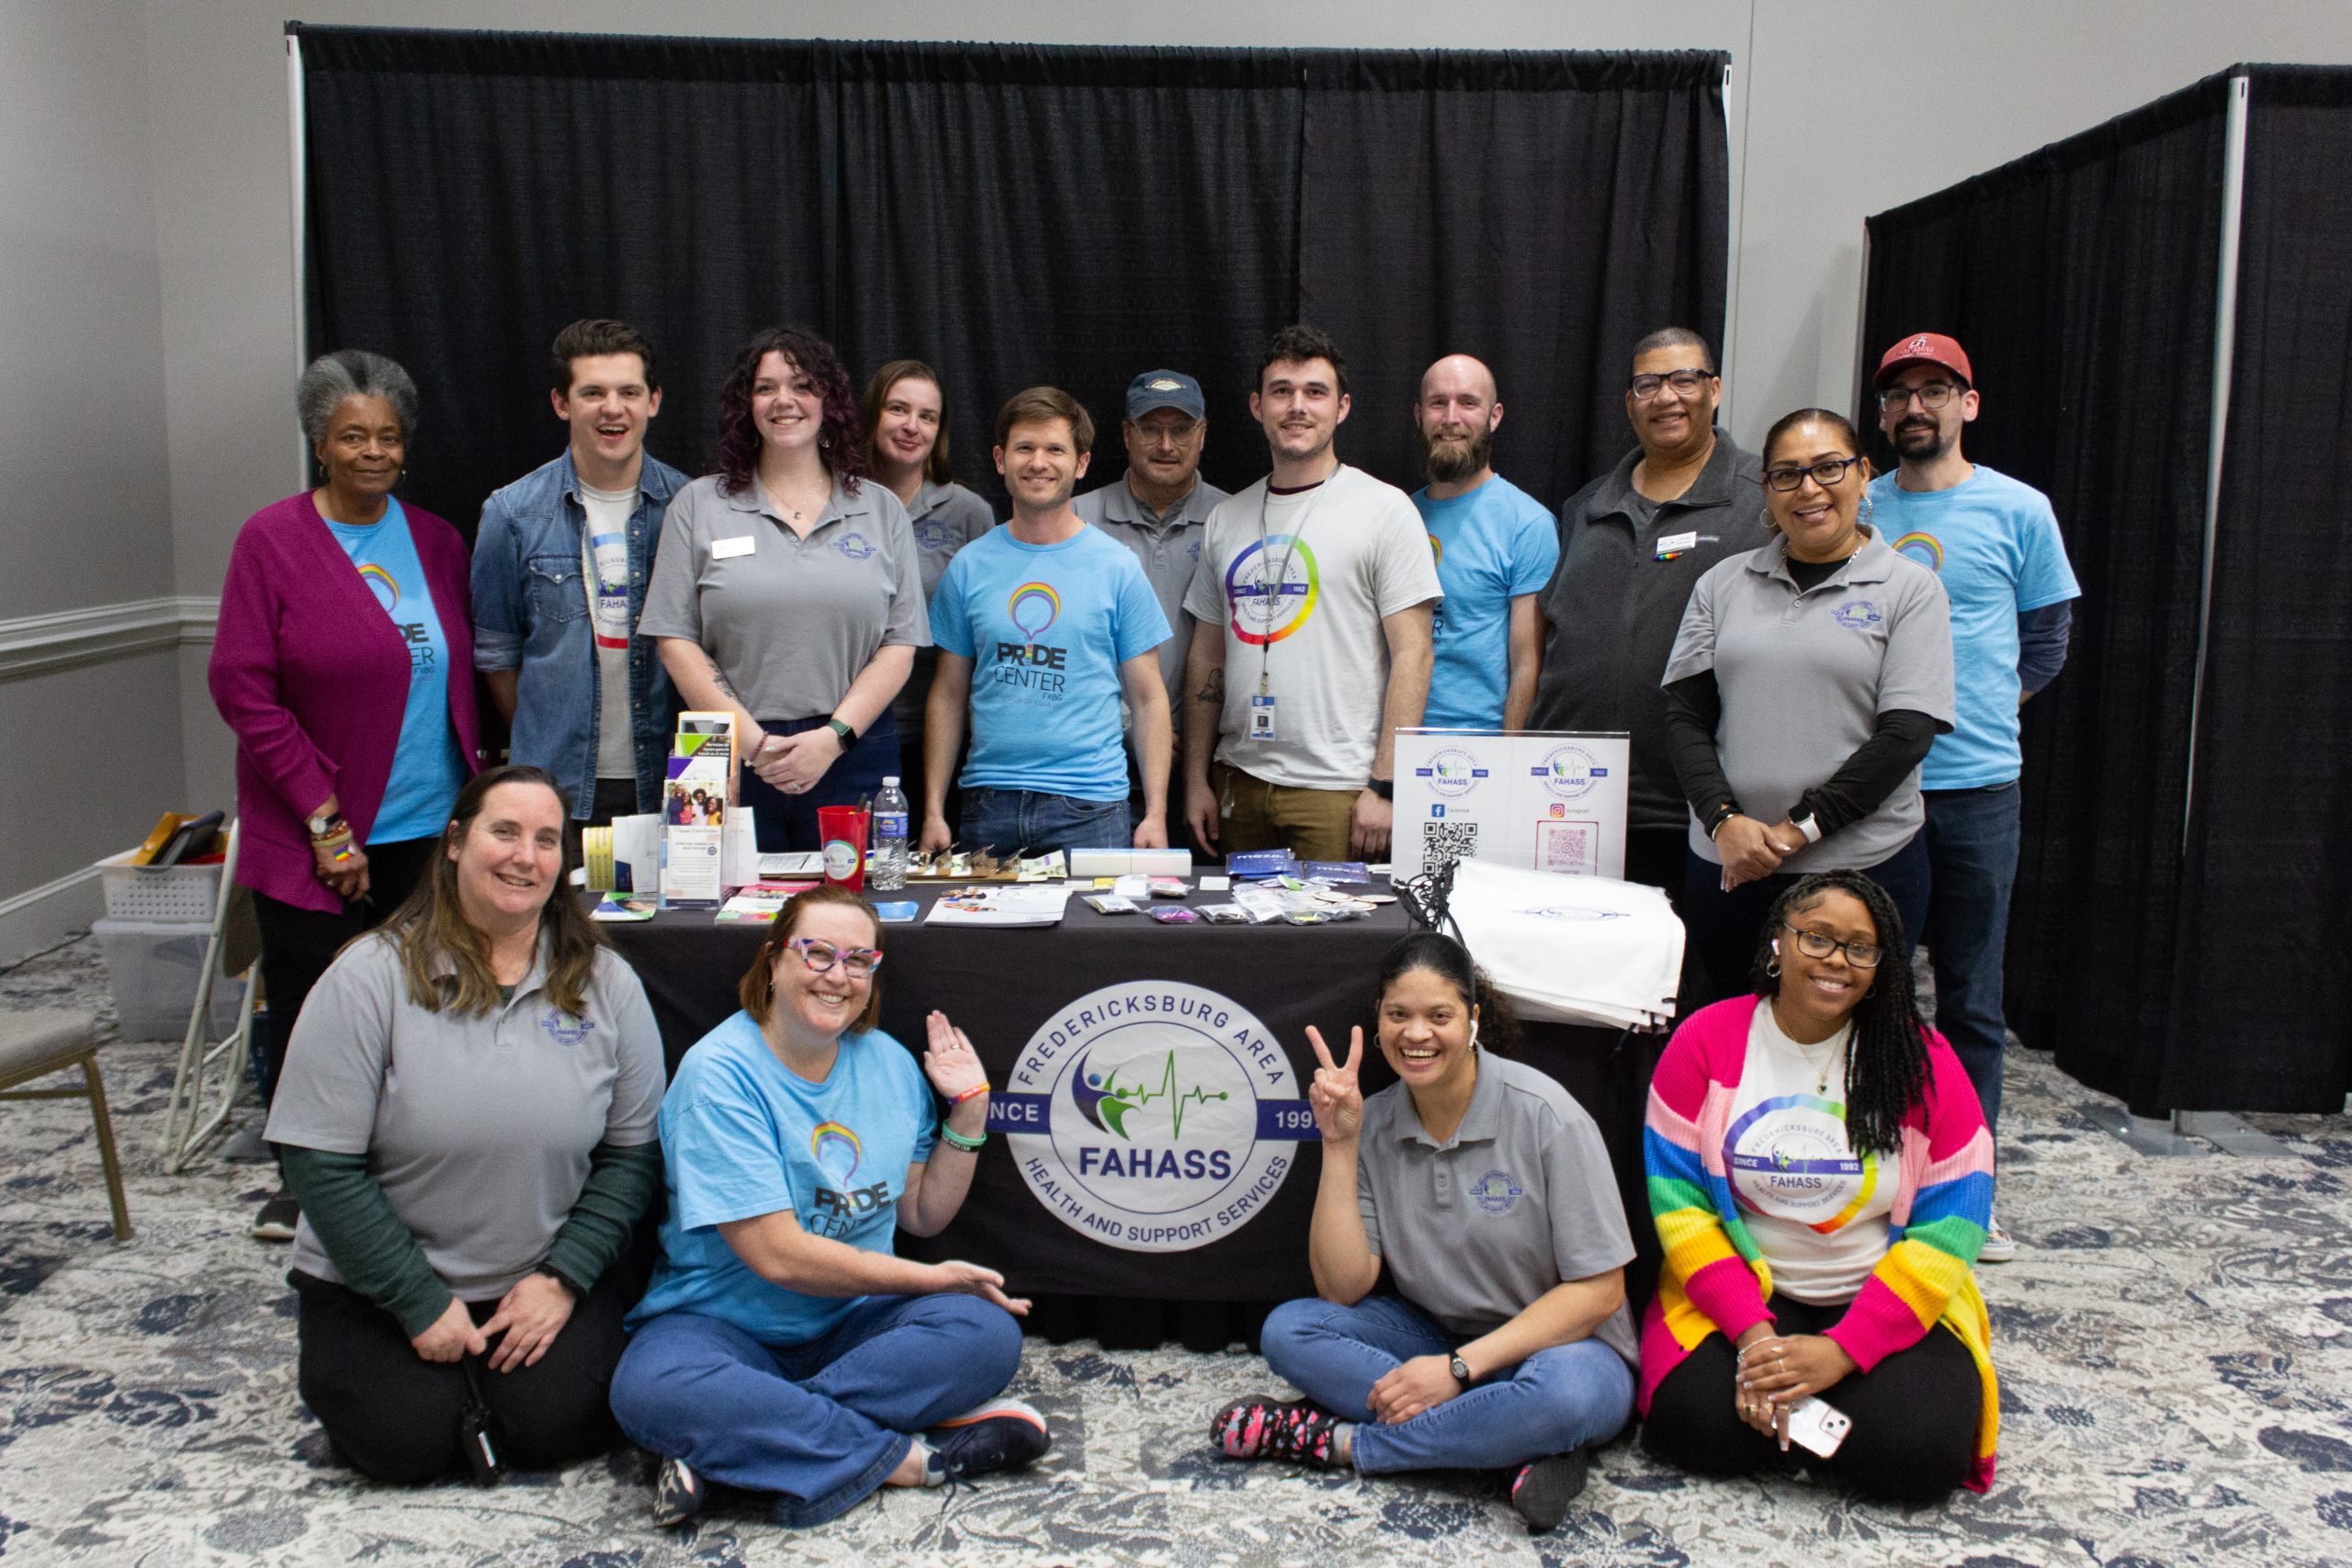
pixel 1556 1400
pixel 1039 824
pixel 790 821
pixel 821 1425
pixel 1972 843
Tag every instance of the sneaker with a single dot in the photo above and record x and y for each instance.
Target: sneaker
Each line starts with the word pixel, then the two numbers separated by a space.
pixel 2000 1246
pixel 678 1493
pixel 1004 1434
pixel 276 1221
pixel 1541 1492
pixel 1298 1431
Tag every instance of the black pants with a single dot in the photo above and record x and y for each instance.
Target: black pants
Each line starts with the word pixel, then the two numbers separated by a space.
pixel 297 944
pixel 615 797
pixel 393 1415
pixel 1727 929
pixel 1914 1413
pixel 787 822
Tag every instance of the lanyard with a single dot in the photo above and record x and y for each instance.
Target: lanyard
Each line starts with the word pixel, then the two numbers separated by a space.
pixel 1270 590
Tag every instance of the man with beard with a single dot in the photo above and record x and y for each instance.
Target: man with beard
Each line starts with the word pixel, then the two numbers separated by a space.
pixel 1311 633
pixel 1495 547
pixel 1633 544
pixel 1995 542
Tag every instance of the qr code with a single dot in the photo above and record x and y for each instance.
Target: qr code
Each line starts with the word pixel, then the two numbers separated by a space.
pixel 1444 843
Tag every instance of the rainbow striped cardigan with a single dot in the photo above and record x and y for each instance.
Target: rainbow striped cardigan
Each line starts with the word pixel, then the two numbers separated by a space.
pixel 1716 1280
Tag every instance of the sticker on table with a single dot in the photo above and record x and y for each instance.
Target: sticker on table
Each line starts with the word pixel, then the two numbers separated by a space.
pixel 1572 846
pixel 1153 1116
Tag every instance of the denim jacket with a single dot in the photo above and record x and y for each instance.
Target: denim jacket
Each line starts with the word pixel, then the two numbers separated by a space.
pixel 531 615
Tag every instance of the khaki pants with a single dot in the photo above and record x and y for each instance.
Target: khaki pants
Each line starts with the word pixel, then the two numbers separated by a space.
pixel 1254 815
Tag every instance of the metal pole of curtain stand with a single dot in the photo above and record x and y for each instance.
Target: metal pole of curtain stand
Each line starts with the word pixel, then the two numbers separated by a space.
pixel 1731 270
pixel 2219 1128
pixel 298 147
pixel 1861 326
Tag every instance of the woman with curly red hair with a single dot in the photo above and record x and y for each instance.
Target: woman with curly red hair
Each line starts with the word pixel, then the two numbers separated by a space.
pixel 789 590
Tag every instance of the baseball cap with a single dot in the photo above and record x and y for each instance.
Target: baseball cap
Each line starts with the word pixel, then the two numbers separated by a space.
pixel 1165 389
pixel 1931 348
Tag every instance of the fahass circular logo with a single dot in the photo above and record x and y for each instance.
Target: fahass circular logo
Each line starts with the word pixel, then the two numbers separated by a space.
pixel 1452 772
pixel 1153 1116
pixel 1567 772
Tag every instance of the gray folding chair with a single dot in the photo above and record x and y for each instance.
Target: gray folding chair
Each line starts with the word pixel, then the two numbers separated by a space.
pixel 37 1043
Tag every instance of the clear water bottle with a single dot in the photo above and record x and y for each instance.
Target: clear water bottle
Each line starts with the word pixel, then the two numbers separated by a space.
pixel 890 837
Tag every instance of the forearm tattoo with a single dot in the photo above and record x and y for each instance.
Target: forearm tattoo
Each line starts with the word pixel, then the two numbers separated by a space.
pixel 1213 689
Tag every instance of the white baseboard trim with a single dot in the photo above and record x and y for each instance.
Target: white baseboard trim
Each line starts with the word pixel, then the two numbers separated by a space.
pixel 33 646
pixel 40 917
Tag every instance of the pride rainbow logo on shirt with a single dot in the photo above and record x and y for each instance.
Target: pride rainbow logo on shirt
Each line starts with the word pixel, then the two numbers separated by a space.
pixel 1034 606
pixel 388 588
pixel 836 1151
pixel 1924 549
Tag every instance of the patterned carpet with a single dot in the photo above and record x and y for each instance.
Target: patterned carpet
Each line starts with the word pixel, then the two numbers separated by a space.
pixel 2176 1342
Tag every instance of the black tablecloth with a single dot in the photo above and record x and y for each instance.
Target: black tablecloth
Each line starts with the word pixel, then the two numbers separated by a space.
pixel 1142 1008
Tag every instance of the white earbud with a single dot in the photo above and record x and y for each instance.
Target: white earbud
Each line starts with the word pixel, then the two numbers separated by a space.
pixel 1474 1034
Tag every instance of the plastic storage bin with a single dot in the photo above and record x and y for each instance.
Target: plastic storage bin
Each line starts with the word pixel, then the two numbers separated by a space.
pixel 154 966
pixel 159 894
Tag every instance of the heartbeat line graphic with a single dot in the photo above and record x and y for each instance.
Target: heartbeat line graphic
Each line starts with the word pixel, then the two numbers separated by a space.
pixel 1110 1105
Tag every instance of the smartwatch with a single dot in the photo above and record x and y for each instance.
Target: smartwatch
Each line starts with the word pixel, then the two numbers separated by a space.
pixel 1802 820
pixel 1384 788
pixel 1460 1368
pixel 847 735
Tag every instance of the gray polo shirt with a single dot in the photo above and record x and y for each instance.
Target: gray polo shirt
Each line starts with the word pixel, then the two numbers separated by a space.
pixel 1803 677
pixel 478 1128
pixel 1169 549
pixel 1522 1200
pixel 945 519
pixel 789 621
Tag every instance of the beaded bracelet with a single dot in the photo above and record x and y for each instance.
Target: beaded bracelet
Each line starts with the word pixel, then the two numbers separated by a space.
pixel 969 1146
pixel 974 1092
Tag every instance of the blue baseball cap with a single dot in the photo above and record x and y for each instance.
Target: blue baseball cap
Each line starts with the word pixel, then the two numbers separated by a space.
pixel 1165 389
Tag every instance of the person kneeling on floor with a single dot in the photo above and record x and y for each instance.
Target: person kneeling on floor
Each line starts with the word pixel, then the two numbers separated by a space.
pixel 782 1348
pixel 467 1118
pixel 1488 1190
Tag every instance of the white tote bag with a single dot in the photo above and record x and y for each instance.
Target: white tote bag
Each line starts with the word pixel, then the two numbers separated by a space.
pixel 1587 950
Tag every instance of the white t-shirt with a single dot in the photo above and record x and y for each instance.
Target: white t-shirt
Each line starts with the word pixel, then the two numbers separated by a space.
pixel 1300 584
pixel 1819 1214
pixel 604 561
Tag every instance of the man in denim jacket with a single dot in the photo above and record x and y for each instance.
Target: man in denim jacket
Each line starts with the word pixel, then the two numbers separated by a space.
pixel 560 565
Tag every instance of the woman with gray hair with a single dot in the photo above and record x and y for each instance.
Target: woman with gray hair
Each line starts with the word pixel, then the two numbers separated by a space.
pixel 343 664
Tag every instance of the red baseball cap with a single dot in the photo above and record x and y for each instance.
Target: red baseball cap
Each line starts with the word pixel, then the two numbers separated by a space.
pixel 1930 348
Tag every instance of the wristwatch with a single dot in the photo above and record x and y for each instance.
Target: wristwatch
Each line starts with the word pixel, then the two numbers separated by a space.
pixel 1384 788
pixel 1802 820
pixel 1460 1368
pixel 325 824
pixel 847 735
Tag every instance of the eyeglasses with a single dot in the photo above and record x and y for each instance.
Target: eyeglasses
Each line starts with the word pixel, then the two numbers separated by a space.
pixel 1821 944
pixel 1684 382
pixel 821 957
pixel 1173 434
pixel 1932 396
pixel 1826 473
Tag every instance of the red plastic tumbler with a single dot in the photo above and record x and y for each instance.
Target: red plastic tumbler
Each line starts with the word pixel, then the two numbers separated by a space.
pixel 843 831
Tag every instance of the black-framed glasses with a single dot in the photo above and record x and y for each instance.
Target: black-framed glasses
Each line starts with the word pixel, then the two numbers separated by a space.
pixel 1685 383
pixel 1821 944
pixel 1827 473
pixel 1933 395
pixel 820 957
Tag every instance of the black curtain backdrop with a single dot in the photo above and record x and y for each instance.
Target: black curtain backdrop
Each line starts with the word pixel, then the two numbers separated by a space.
pixel 2262 976
pixel 1012 214
pixel 2082 281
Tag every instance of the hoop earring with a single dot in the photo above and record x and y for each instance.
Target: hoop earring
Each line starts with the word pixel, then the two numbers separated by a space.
pixel 1865 518
pixel 1772 967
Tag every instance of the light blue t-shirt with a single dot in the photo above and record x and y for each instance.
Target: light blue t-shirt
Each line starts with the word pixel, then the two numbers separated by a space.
pixel 426 772
pixel 1046 628
pixel 1491 545
pixel 1995 543
pixel 744 1136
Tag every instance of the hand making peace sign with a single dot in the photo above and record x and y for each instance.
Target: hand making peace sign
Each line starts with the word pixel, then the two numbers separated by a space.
pixel 1337 1101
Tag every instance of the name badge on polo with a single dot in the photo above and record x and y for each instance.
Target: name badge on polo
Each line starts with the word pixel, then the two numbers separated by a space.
pixel 1673 545
pixel 741 545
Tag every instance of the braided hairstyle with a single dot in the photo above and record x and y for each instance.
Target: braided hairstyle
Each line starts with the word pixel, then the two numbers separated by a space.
pixel 1886 1067
pixel 1450 962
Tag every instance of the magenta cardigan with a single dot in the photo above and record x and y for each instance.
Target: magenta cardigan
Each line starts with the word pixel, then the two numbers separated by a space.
pixel 312 677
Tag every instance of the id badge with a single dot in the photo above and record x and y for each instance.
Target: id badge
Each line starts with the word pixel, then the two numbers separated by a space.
pixel 1262 719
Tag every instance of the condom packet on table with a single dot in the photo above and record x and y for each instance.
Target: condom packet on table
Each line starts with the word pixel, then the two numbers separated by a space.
pixel 1174 915
pixel 1168 887
pixel 1224 914
pixel 1260 904
pixel 1308 918
pixel 1111 903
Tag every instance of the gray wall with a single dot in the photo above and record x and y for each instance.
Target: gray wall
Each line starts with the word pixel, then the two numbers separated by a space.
pixel 85 514
pixel 1838 108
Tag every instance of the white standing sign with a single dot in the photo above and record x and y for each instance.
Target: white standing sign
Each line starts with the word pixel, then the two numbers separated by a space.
pixel 1547 800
